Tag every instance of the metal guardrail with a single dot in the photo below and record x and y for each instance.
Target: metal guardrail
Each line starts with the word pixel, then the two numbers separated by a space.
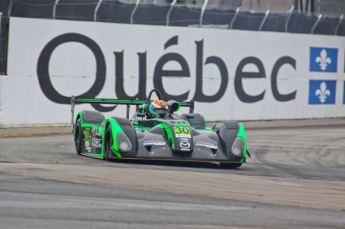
pixel 316 23
pixel 337 28
pixel 54 8
pixel 174 4
pixel 169 12
pixel 202 12
pixel 206 12
pixel 135 9
pixel 263 21
pixel 96 10
pixel 288 19
pixel 234 18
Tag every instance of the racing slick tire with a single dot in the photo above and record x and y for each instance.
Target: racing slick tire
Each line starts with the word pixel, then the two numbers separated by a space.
pixel 78 137
pixel 108 142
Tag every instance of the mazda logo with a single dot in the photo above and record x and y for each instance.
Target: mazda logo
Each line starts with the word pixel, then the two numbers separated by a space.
pixel 184 144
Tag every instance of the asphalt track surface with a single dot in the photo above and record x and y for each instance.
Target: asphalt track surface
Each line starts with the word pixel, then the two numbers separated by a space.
pixel 295 179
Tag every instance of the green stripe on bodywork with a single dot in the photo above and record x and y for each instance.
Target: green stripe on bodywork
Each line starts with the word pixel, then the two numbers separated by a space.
pixel 159 126
pixel 87 125
pixel 115 128
pixel 169 134
pixel 241 133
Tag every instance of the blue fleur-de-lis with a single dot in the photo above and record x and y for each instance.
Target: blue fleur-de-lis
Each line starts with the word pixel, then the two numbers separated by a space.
pixel 323 60
pixel 323 92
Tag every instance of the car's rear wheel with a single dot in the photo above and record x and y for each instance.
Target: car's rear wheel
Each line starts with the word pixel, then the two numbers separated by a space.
pixel 108 142
pixel 230 165
pixel 78 137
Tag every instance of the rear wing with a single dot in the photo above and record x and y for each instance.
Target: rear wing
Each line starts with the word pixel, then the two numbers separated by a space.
pixel 128 103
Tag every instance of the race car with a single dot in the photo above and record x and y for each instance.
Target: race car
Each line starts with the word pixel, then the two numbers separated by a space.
pixel 162 136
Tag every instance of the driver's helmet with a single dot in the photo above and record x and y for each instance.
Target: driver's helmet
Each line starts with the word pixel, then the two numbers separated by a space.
pixel 158 108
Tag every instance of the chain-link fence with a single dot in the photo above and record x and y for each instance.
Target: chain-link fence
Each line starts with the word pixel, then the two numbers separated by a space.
pixel 257 15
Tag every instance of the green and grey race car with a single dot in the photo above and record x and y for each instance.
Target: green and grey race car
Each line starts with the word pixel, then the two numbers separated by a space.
pixel 169 136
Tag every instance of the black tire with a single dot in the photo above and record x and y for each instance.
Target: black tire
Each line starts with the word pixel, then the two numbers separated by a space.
pixel 78 137
pixel 230 165
pixel 108 141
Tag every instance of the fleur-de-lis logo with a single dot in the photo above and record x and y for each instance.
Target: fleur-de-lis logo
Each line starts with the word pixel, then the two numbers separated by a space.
pixel 323 92
pixel 323 60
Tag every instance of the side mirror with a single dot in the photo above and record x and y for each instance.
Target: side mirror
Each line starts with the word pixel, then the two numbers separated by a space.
pixel 173 106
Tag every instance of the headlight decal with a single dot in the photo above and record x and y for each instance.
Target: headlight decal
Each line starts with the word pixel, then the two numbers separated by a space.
pixel 123 143
pixel 237 147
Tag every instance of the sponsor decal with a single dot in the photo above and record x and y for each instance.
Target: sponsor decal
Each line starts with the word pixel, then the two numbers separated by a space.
pixel 87 144
pixel 206 144
pixel 184 139
pixel 96 132
pixel 322 91
pixel 323 59
pixel 155 142
pixel 183 136
pixel 185 144
pixel 97 142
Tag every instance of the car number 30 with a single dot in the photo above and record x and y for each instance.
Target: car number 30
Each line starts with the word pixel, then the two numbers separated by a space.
pixel 181 130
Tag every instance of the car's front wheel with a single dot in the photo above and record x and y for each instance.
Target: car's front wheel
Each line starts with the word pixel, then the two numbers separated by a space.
pixel 78 137
pixel 108 142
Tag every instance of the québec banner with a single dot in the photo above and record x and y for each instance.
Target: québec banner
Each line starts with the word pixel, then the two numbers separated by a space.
pixel 230 74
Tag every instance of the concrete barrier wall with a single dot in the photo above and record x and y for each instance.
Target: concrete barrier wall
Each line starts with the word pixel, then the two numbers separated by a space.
pixel 231 74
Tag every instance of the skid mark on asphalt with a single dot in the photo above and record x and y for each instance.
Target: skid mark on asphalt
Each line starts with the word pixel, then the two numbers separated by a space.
pixel 276 168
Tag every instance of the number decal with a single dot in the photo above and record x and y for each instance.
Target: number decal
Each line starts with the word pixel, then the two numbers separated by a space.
pixel 177 130
pixel 185 130
pixel 182 131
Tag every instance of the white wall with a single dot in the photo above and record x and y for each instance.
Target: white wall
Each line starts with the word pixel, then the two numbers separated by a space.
pixel 72 68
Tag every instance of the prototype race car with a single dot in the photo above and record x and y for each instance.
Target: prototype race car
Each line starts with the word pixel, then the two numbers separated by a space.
pixel 169 136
